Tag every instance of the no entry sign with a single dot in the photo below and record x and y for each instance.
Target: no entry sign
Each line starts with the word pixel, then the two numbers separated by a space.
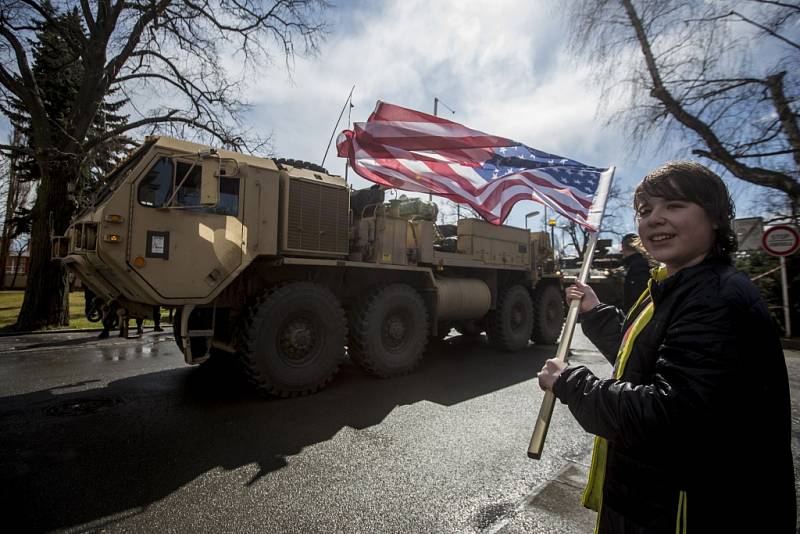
pixel 781 240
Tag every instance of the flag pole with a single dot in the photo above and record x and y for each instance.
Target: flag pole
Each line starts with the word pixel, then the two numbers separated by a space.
pixel 546 409
pixel 336 126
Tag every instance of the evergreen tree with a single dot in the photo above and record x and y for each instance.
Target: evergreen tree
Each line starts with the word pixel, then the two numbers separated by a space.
pixel 763 268
pixel 58 71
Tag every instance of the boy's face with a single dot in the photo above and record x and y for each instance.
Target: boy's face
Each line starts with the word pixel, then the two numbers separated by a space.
pixel 677 233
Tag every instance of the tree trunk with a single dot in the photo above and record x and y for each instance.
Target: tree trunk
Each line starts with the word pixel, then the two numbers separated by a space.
pixel 11 206
pixel 46 301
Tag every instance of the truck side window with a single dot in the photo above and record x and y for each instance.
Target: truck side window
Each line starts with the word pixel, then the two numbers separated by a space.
pixel 156 188
pixel 228 196
pixel 189 191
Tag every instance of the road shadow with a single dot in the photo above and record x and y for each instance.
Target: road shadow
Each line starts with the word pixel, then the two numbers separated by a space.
pixel 70 458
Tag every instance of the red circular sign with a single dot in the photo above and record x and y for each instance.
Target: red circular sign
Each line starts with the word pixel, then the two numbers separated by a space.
pixel 781 240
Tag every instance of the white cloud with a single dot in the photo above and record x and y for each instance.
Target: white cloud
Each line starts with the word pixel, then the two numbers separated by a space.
pixel 501 66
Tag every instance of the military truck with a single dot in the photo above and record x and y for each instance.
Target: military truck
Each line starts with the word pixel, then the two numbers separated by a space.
pixel 606 275
pixel 283 267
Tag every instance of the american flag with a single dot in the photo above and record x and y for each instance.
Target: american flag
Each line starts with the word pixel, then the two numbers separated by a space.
pixel 413 151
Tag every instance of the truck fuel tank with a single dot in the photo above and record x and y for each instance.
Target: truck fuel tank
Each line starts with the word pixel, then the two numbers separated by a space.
pixel 462 298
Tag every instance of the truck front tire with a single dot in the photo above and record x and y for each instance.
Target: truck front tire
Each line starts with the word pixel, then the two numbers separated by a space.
pixel 292 339
pixel 389 331
pixel 511 322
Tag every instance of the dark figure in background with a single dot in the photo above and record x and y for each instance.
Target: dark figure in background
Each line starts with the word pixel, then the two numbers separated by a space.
pixel 637 270
pixel 92 305
pixel 156 321
pixel 110 318
pixel 694 427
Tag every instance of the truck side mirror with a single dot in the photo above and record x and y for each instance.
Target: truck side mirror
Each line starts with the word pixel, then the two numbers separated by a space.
pixel 209 182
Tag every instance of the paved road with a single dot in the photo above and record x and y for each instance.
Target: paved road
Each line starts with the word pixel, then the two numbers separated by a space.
pixel 120 436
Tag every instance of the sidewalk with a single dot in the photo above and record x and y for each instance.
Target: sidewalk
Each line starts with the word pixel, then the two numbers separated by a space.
pixel 554 507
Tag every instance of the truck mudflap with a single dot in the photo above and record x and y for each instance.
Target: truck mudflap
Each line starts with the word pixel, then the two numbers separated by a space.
pixel 185 336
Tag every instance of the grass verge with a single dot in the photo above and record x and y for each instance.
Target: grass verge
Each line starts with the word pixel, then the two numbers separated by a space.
pixel 11 302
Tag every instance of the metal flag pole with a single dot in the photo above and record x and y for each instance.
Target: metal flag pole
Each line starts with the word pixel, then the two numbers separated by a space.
pixel 335 126
pixel 546 409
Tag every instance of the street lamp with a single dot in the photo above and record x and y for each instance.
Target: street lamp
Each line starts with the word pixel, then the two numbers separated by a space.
pixel 552 224
pixel 528 216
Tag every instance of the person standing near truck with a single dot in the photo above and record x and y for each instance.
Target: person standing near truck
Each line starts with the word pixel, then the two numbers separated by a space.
pixel 693 429
pixel 110 318
pixel 156 321
pixel 637 270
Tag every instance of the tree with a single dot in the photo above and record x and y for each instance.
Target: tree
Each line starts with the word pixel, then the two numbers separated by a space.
pixel 723 75
pixel 764 270
pixel 134 48
pixel 57 71
pixel 14 195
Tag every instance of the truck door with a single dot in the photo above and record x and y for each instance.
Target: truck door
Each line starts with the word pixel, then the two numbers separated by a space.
pixel 179 248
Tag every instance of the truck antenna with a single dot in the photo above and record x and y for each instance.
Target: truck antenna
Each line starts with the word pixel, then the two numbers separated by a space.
pixel 346 102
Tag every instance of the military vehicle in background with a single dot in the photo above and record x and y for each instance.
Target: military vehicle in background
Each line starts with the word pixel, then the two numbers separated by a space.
pixel 606 276
pixel 281 265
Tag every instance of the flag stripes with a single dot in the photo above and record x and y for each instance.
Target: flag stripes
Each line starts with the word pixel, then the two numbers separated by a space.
pixel 414 151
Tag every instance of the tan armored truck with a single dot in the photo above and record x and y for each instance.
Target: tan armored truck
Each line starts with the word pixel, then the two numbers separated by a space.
pixel 282 266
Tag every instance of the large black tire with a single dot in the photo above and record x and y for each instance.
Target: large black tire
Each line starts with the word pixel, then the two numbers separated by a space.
pixel 510 323
pixel 548 314
pixel 389 331
pixel 291 341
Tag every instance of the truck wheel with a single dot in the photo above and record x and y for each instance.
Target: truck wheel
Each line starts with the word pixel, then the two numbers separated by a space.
pixel 292 339
pixel 548 314
pixel 510 323
pixel 389 331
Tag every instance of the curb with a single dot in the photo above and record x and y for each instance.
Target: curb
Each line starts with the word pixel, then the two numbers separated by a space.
pixel 63 331
pixel 790 343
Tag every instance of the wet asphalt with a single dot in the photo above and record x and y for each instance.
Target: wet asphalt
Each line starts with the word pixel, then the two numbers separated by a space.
pixel 121 436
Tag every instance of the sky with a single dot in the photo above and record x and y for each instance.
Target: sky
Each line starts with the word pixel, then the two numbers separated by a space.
pixel 502 66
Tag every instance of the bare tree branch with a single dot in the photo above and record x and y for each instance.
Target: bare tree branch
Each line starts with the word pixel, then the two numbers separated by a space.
pixel 157 51
pixel 764 28
pixel 687 71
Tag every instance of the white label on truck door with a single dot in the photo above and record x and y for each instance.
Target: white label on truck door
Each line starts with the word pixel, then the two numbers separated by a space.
pixel 157 245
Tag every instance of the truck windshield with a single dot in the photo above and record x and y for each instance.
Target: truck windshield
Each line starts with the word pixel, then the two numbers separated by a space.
pixel 118 174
